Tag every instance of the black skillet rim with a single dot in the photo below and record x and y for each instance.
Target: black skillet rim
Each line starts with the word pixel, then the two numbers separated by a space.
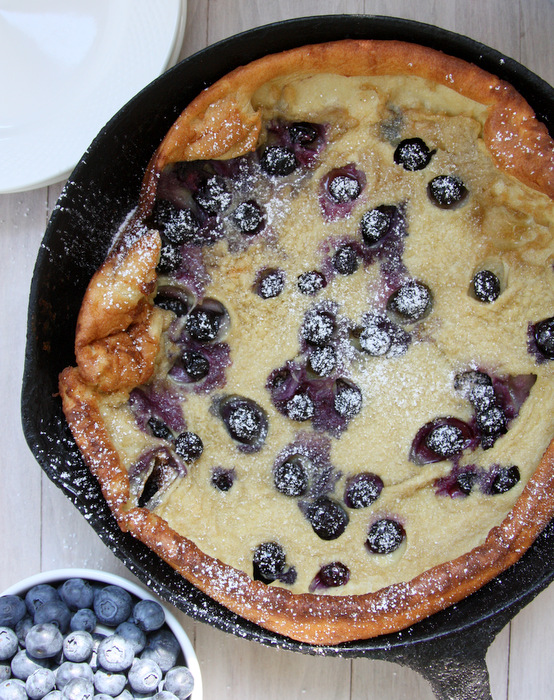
pixel 43 423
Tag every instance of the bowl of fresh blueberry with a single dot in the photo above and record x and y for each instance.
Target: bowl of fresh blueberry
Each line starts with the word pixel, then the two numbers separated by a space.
pixel 79 634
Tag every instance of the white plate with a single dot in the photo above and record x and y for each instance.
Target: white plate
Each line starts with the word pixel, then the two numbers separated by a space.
pixel 66 67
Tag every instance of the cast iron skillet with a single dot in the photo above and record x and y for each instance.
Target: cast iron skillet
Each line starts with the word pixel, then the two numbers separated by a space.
pixel 449 647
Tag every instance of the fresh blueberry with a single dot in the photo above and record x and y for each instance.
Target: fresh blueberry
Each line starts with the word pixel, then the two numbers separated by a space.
pixel 159 428
pixel 78 646
pixel 385 536
pixel 505 479
pixel 311 282
pixel 5 672
pixel 179 681
pixel 331 576
pixel 413 154
pixel 485 286
pixel 68 671
pixel 278 160
pixel 345 260
pixel 40 594
pixel 223 479
pixel 22 627
pixel 76 593
pixel 327 518
pixel 57 695
pixel 39 683
pixel 248 217
pixel 54 611
pixel 170 259
pixel 362 490
pixel 78 689
pixel 290 476
pixel 270 283
pixel 411 302
pixel 83 619
pixel 23 664
pixel 447 191
pixel 445 440
pixel 245 420
pixel 322 360
pixel 13 689
pixel 300 407
pixel 347 400
pixel 213 195
pixel 133 634
pixel 303 133
pixel 203 324
pixel 115 653
pixel 44 640
pixel 160 695
pixel 108 683
pixel 318 328
pixel 189 447
pixel 148 615
pixel 9 643
pixel 163 648
pixel 112 605
pixel 543 332
pixel 144 675
pixel 268 562
pixel 196 365
pixel 343 188
pixel 377 223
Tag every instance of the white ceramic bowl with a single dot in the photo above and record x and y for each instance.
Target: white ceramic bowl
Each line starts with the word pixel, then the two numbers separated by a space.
pixel 58 576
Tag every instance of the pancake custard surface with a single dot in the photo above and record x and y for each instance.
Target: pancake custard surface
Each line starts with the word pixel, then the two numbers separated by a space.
pixel 315 372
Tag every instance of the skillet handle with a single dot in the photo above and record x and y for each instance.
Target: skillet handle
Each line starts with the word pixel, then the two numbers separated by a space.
pixel 457 677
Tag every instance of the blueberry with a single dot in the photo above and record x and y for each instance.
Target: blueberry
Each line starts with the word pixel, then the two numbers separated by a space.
pixel 485 286
pixel 44 641
pixel 270 283
pixel 445 440
pixel 5 672
pixel 447 191
pixel 57 695
pixel 543 332
pixel 54 611
pixel 223 479
pixel 203 324
pixel 465 482
pixel 12 610
pixel 322 360
pixel 13 689
pixel 78 646
pixel 385 536
pixel 303 133
pixel 213 195
pixel 327 518
pixel 377 223
pixel 245 420
pixel 411 302
pixel 248 217
pixel 76 593
pixel 83 619
pixel 344 188
pixel 179 681
pixel 300 407
pixel 148 615
pixel 170 259
pixel 9 643
pixel 159 428
pixel 347 401
pixel 268 562
pixel 278 160
pixel 23 664
pixel 345 260
pixel 171 303
pixel 78 689
pixel 115 653
pixel 181 226
pixel 144 675
pixel 108 683
pixel 133 634
pixel 362 490
pixel 318 328
pixel 440 439
pixel 68 671
pixel 160 695
pixel 39 683
pixel 112 605
pixel 467 382
pixel 40 594
pixel 291 477
pixel 163 648
pixel 196 365
pixel 505 479
pixel 413 154
pixel 189 447
pixel 374 338
pixel 22 627
pixel 311 282
pixel 332 575
pixel 491 421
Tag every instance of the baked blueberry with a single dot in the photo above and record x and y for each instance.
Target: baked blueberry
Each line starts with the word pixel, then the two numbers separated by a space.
pixel 411 302
pixel 465 481
pixel 173 298
pixel 330 576
pixel 206 321
pixel 445 440
pixel 322 360
pixel 245 420
pixel 385 536
pixel 189 446
pixel 268 562
pixel 291 477
pixel 485 286
pixel 213 196
pixel 343 188
pixel 223 479
pixel 345 260
pixel 361 490
pixel 374 338
pixel 270 283
pixel 196 365
pixel 303 133
pixel 347 400
pixel 327 518
pixel 504 480
pixel 181 227
pixel 467 382
pixel 413 154
pixel 160 430
pixel 447 191
pixel 491 421
pixel 318 328
pixel 248 217
pixel 440 439
pixel 544 337
pixel 278 160
pixel 377 223
pixel 311 282
pixel 170 258
pixel 300 407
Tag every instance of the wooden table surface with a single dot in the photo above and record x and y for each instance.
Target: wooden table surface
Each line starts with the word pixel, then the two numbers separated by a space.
pixel 41 530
